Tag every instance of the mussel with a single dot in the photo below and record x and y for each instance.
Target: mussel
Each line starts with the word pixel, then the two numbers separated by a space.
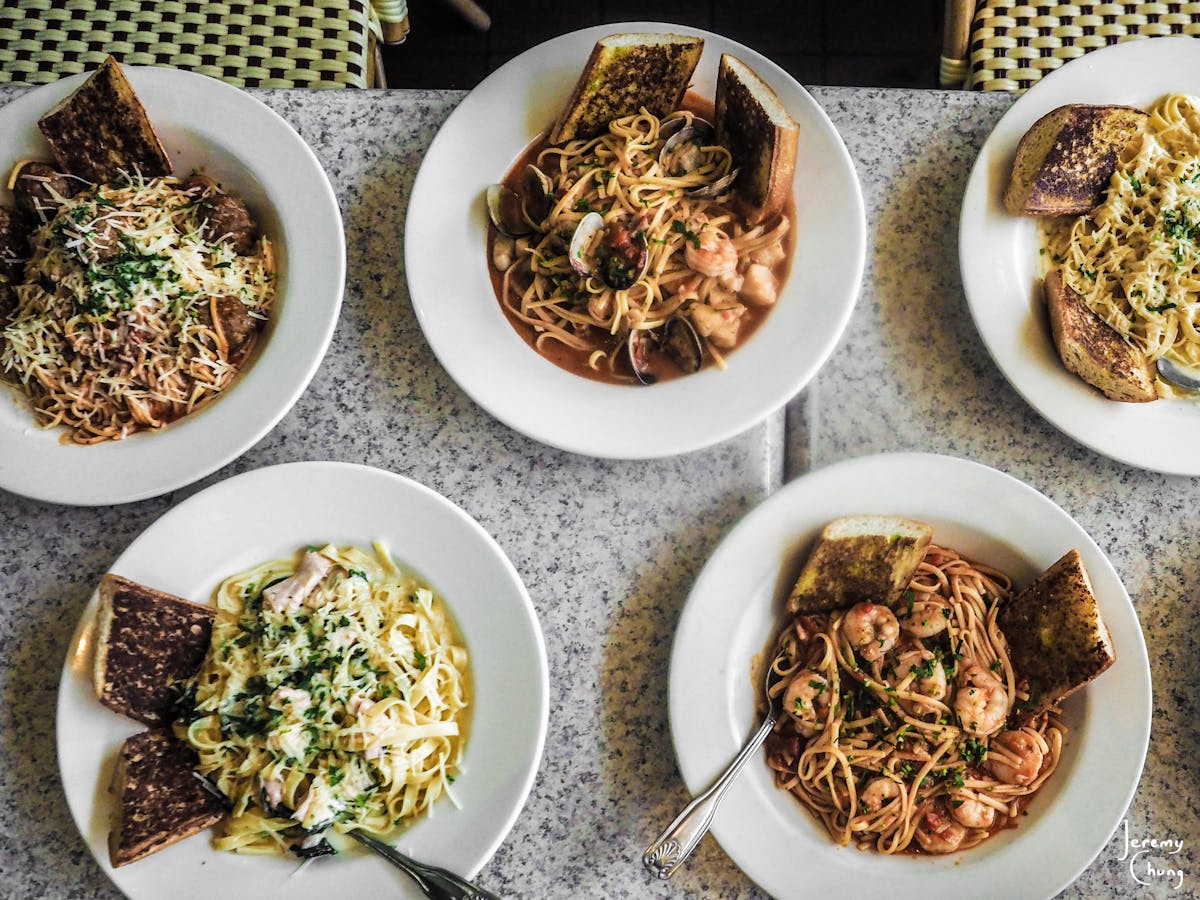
pixel 612 251
pixel 677 339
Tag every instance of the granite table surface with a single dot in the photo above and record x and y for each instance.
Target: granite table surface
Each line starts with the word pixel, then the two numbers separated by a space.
pixel 609 550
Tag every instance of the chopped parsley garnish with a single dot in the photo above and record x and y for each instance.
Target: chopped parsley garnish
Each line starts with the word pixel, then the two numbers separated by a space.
pixel 679 228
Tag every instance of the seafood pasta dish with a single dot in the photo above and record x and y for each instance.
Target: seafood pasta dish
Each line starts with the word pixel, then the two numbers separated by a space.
pixel 334 696
pixel 654 241
pixel 898 729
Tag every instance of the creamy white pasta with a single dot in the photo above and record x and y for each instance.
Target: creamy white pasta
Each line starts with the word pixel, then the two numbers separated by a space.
pixel 1135 258
pixel 334 696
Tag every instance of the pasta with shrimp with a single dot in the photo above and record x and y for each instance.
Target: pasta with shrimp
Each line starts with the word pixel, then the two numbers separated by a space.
pixel 897 730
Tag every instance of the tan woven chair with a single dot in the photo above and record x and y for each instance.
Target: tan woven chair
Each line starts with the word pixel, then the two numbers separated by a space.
pixel 1003 45
pixel 249 43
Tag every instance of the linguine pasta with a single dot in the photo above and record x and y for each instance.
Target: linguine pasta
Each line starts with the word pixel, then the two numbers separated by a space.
pixel 912 750
pixel 1135 258
pixel 688 240
pixel 342 707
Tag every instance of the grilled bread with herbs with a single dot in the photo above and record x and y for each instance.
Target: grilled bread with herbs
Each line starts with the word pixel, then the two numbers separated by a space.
pixel 1092 349
pixel 102 130
pixel 624 74
pixel 761 137
pixel 148 644
pixel 159 799
pixel 1057 640
pixel 860 559
pixel 1064 162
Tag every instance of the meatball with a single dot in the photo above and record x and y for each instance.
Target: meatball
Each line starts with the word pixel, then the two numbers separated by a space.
pixel 8 303
pixel 226 216
pixel 238 326
pixel 14 245
pixel 38 188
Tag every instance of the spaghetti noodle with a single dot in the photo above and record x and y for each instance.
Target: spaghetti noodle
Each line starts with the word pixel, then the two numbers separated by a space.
pixel 896 730
pixel 1135 258
pixel 128 316
pixel 334 696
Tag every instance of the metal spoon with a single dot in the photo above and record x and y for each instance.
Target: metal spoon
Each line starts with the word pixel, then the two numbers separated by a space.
pixel 1187 379
pixel 437 883
pixel 669 850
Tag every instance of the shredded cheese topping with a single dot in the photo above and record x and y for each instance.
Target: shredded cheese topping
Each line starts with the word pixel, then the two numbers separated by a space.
pixel 116 327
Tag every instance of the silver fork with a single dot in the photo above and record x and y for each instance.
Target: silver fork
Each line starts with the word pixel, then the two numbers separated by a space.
pixel 669 850
pixel 437 883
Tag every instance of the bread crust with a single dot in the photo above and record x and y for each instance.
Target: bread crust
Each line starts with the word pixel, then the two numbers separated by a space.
pixel 624 73
pixel 102 130
pixel 1089 347
pixel 1057 640
pixel 159 799
pixel 1065 160
pixel 147 644
pixel 761 137
pixel 860 559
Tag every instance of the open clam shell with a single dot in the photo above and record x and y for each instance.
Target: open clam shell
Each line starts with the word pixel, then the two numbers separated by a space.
pixel 537 193
pixel 583 243
pixel 639 345
pixel 676 338
pixel 682 344
pixel 718 187
pixel 506 210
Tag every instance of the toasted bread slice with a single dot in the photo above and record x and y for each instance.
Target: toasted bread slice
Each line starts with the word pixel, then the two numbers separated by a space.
pixel 1057 640
pixel 625 73
pixel 102 130
pixel 1064 162
pixel 761 137
pixel 860 558
pixel 160 801
pixel 1092 349
pixel 147 644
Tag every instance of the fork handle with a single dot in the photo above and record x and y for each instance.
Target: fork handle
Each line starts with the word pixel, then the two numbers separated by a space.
pixel 676 844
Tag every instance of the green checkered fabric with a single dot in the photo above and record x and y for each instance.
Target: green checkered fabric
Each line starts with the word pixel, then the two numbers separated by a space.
pixel 1013 43
pixel 278 45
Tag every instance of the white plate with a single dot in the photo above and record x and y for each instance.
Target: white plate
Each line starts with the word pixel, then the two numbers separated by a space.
pixel 736 606
pixel 272 512
pixel 998 256
pixel 446 262
pixel 204 124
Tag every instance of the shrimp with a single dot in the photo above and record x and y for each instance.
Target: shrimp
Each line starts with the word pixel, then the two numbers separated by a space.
pixel 981 701
pixel 937 832
pixel 878 793
pixel 967 809
pixel 929 677
pixel 806 700
pixel 1014 757
pixel 871 629
pixel 925 617
pixel 711 252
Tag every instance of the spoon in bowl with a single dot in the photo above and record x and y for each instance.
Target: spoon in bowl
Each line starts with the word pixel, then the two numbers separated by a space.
pixel 1184 378
pixel 669 850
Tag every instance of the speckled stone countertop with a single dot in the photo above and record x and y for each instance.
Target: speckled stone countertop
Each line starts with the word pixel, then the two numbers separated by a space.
pixel 607 549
